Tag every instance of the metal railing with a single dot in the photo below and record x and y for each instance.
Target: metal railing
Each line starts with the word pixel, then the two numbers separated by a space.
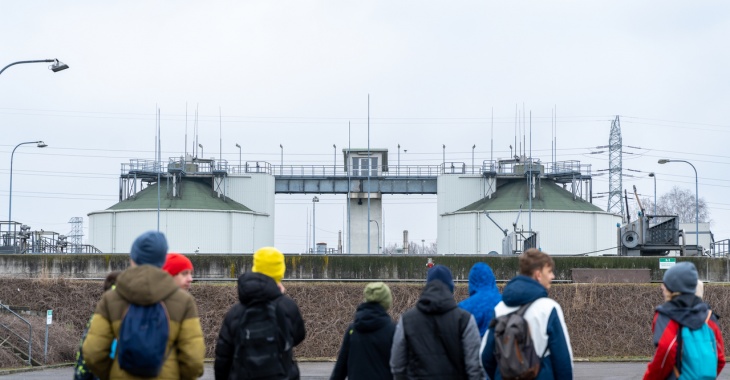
pixel 211 166
pixel 720 248
pixel 18 338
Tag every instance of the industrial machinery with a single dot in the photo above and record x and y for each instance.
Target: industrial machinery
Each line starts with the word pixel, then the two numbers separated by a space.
pixel 651 235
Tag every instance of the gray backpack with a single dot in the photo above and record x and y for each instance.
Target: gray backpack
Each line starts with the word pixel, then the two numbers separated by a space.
pixel 513 347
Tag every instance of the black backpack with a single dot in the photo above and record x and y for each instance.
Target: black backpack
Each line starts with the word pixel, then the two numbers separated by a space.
pixel 263 344
pixel 513 346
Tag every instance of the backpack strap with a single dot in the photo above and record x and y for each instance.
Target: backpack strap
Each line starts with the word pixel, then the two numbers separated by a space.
pixel 678 360
pixel 521 312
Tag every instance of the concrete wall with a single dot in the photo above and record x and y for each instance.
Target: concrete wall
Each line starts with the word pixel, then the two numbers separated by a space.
pixel 342 266
pixel 359 224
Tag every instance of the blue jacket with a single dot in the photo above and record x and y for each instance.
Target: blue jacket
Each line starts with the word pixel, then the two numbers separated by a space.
pixel 547 329
pixel 483 295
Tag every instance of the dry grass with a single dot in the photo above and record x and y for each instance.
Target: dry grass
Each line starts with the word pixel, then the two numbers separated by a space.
pixel 603 320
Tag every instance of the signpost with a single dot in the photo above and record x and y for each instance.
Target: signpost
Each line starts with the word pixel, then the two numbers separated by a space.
pixel 666 263
pixel 49 320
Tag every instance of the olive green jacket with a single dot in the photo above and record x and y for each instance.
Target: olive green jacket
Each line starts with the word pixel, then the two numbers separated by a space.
pixel 146 285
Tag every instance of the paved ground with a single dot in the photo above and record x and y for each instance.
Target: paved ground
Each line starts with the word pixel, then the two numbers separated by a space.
pixel 321 370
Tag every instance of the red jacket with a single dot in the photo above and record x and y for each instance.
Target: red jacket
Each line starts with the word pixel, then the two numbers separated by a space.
pixel 684 310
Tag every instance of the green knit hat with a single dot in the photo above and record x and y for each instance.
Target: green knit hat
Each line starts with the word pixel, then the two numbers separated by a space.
pixel 380 293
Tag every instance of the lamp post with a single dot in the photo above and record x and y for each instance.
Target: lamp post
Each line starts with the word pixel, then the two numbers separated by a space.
pixel 202 151
pixel 697 202
pixel 472 158
pixel 652 175
pixel 378 225
pixel 443 160
pixel 314 224
pixel 334 159
pixel 40 144
pixel 281 166
pixel 397 171
pixel 423 246
pixel 239 156
pixel 55 67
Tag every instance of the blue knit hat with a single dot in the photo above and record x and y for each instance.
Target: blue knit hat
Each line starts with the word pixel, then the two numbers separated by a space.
pixel 149 248
pixel 681 278
pixel 440 272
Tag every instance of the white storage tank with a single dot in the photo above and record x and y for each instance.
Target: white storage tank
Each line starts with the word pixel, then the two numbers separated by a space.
pixel 566 224
pixel 197 220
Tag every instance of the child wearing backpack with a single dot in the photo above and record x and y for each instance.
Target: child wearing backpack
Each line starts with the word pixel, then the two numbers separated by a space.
pixel 259 333
pixel 688 340
pixel 528 338
pixel 155 324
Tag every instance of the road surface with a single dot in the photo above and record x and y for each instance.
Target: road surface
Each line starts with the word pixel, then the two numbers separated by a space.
pixel 321 370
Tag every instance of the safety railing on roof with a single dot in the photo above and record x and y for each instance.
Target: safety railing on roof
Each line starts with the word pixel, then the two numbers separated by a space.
pixel 720 248
pixel 212 166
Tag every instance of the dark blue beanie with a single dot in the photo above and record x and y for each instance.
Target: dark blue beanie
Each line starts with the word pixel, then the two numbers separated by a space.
pixel 440 272
pixel 149 248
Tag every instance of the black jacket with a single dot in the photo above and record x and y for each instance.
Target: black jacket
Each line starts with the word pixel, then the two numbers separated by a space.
pixel 365 351
pixel 436 339
pixel 255 288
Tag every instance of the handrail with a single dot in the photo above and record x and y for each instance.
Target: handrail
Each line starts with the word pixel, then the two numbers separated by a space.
pixel 30 333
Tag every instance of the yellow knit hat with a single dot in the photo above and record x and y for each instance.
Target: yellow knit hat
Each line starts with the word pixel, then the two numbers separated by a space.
pixel 269 261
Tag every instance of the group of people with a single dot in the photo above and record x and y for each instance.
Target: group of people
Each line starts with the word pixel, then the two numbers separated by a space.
pixel 440 339
pixel 435 339
pixel 158 278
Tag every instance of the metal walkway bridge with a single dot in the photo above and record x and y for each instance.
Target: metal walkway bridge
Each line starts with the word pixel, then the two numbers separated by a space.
pixel 334 179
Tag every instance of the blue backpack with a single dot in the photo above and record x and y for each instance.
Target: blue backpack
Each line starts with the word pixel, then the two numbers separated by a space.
pixel 142 342
pixel 696 353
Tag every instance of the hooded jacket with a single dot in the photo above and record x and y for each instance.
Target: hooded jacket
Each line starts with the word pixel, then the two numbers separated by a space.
pixel 146 285
pixel 684 310
pixel 547 329
pixel 365 351
pixel 436 339
pixel 255 288
pixel 483 296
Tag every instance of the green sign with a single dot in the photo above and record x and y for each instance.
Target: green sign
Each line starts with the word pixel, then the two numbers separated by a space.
pixel 666 263
pixel 49 317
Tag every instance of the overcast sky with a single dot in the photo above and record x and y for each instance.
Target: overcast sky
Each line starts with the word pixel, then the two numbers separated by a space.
pixel 296 72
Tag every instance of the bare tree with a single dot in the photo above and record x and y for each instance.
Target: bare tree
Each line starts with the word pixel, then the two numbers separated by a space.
pixel 680 202
pixel 414 248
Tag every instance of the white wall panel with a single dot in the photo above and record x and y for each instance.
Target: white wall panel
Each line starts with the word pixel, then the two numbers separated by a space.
pixel 186 230
pixel 457 191
pixel 561 232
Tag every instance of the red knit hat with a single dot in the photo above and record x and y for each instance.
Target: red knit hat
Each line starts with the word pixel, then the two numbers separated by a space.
pixel 176 263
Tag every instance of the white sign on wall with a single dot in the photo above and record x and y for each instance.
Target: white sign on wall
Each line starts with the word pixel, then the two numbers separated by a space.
pixel 666 263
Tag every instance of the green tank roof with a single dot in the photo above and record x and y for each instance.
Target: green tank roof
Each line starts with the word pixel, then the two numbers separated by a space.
pixel 196 195
pixel 512 193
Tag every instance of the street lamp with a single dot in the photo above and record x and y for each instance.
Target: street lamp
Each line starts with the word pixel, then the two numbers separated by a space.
pixel 423 246
pixel 654 176
pixel 444 158
pixel 334 159
pixel 697 204
pixel 281 166
pixel 472 158
pixel 202 151
pixel 239 156
pixel 397 171
pixel 39 144
pixel 378 225
pixel 55 67
pixel 314 224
